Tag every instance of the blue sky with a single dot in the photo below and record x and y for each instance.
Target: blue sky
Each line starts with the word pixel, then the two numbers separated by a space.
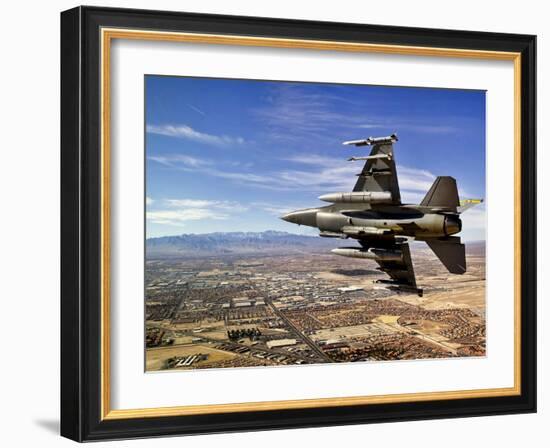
pixel 233 155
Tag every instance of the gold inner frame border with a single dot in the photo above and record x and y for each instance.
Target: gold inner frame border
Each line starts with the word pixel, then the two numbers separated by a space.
pixel 107 36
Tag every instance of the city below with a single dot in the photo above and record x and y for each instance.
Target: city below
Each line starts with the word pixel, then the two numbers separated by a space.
pixel 272 298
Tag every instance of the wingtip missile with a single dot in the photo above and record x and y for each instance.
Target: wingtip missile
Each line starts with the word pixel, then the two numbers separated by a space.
pixel 372 140
pixel 362 142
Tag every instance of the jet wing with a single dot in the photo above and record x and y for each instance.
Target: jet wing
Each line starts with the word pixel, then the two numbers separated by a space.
pixel 379 173
pixel 401 272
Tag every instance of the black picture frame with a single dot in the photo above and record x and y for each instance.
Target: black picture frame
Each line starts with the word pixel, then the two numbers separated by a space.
pixel 81 415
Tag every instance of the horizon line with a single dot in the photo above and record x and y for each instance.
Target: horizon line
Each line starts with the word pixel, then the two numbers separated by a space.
pixel 269 230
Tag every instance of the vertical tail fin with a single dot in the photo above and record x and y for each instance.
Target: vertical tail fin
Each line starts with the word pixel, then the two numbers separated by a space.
pixel 442 194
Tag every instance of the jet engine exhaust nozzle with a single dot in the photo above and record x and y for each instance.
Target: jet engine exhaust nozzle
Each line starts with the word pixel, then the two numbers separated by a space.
pixel 452 225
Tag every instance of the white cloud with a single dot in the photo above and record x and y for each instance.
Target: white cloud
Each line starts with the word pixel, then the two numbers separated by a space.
pixel 178 217
pixel 314 159
pixel 148 201
pixel 204 166
pixel 187 132
pixel 414 179
pixel 195 203
pixel 336 174
pixel 177 211
pixel 205 203
pixel 175 159
pixel 322 174
pixel 372 126
pixel 299 115
pixel 295 114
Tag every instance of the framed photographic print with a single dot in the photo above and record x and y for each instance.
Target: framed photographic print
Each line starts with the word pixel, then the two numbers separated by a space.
pixel 276 224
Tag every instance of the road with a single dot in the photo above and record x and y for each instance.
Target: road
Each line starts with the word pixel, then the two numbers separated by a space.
pixel 298 333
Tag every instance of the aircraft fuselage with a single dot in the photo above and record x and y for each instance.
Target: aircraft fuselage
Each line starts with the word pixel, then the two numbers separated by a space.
pixel 356 221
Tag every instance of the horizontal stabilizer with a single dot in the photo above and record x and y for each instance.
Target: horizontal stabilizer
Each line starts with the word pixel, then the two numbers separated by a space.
pixel 451 252
pixel 443 194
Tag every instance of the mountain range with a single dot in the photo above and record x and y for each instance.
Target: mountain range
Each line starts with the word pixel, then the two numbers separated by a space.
pixel 270 241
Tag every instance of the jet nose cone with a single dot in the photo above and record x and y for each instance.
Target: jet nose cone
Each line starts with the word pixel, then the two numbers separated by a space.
pixel 302 217
pixel 288 217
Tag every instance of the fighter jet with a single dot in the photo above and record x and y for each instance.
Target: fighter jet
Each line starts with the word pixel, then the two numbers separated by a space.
pixel 374 215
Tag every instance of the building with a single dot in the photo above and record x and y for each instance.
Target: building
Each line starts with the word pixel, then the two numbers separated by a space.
pixel 242 304
pixel 281 343
pixel 350 288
